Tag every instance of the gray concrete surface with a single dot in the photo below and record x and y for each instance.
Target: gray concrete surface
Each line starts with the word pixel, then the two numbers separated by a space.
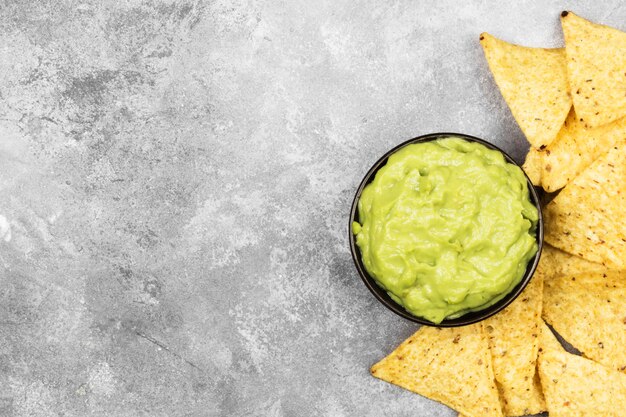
pixel 175 182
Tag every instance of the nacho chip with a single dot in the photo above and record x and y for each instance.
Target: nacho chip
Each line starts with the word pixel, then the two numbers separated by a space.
pixel 589 311
pixel 575 148
pixel 533 165
pixel 596 67
pixel 556 262
pixel 588 217
pixel 575 386
pixel 450 365
pixel 533 82
pixel 547 339
pixel 513 336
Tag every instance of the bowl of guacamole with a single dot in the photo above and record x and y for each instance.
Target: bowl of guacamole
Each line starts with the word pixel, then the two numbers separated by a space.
pixel 446 229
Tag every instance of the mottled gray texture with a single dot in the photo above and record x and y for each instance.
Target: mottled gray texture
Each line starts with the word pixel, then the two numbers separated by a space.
pixel 176 179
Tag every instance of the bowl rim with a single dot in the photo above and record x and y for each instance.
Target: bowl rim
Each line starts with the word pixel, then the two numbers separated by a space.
pixel 468 318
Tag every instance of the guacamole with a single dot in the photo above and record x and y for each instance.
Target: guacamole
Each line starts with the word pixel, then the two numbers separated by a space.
pixel 446 227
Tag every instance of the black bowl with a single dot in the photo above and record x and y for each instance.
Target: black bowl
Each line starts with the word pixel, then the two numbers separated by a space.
pixel 381 294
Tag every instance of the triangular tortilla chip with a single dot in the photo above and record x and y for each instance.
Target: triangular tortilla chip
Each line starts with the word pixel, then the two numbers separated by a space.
pixel 574 149
pixel 588 217
pixel 451 365
pixel 578 387
pixel 596 67
pixel 556 262
pixel 533 82
pixel 513 336
pixel 533 165
pixel 589 311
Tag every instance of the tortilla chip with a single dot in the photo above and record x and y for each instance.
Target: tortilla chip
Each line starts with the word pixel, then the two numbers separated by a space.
pixel 575 386
pixel 450 365
pixel 575 148
pixel 588 217
pixel 533 165
pixel 547 339
pixel 533 82
pixel 556 262
pixel 513 341
pixel 596 67
pixel 589 311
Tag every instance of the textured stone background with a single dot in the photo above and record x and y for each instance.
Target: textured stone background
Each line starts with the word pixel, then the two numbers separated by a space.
pixel 175 182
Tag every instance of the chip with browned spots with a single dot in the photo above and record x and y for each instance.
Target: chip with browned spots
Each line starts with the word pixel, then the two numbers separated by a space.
pixel 589 310
pixel 449 365
pixel 596 68
pixel 513 336
pixel 588 217
pixel 574 149
pixel 578 387
pixel 557 262
pixel 533 82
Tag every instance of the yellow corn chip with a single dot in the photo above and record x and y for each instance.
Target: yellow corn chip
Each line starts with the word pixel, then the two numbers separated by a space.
pixel 450 365
pixel 596 67
pixel 574 149
pixel 588 217
pixel 547 339
pixel 533 165
pixel 533 82
pixel 578 387
pixel 513 341
pixel 556 262
pixel 589 311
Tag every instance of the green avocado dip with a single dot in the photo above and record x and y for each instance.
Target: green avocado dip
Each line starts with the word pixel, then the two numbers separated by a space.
pixel 446 227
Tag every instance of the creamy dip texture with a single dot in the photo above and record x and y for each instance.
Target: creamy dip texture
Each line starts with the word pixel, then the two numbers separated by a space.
pixel 446 227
